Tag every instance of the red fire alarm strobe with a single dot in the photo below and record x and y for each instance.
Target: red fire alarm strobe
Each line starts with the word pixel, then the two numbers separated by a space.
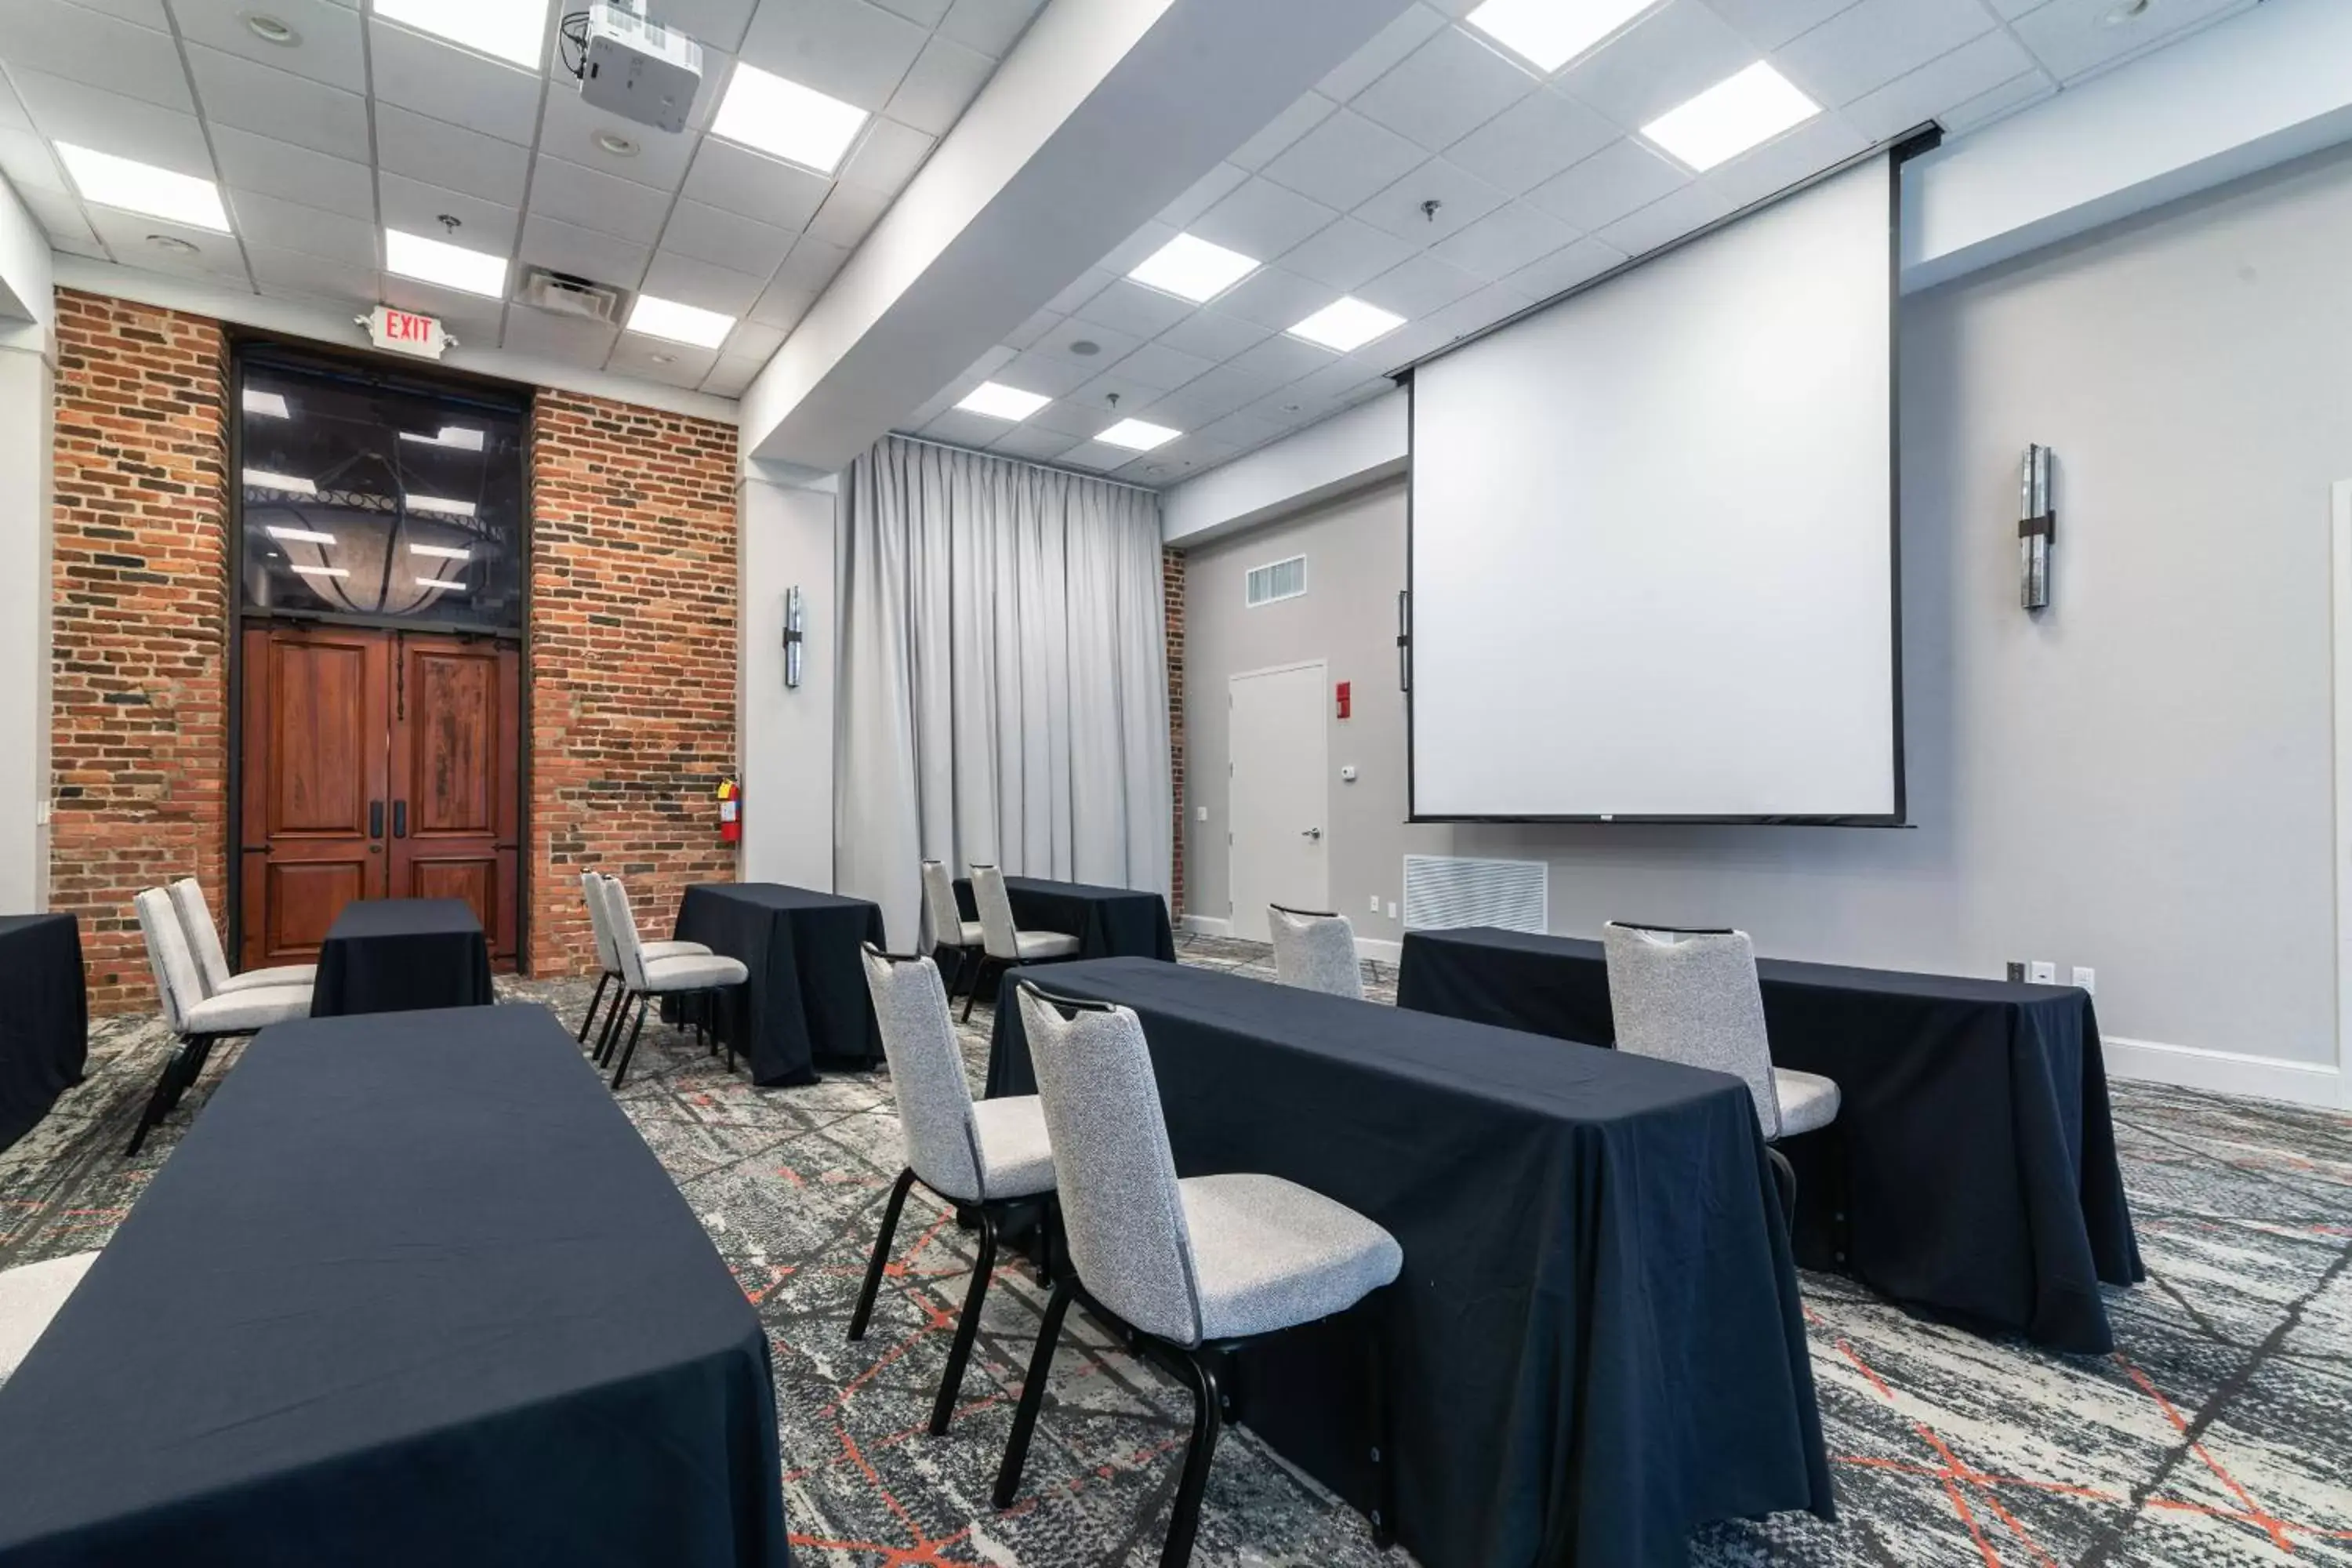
pixel 1343 699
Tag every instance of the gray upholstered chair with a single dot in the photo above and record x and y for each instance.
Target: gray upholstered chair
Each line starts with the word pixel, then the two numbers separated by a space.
pixel 1201 1263
pixel 989 1157
pixel 608 961
pixel 686 977
pixel 195 1016
pixel 1692 996
pixel 30 1296
pixel 949 928
pixel 212 959
pixel 1003 945
pixel 1315 950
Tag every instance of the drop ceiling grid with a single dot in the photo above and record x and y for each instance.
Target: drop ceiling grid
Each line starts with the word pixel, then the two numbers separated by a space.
pixel 1542 182
pixel 364 123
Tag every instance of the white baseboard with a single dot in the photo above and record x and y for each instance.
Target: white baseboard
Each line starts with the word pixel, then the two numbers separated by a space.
pixel 1201 925
pixel 1369 947
pixel 2225 1072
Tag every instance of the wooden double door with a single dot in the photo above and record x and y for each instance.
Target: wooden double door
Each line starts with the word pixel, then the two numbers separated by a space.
pixel 375 764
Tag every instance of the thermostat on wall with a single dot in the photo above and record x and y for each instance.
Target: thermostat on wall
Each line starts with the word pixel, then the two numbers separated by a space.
pixel 1348 773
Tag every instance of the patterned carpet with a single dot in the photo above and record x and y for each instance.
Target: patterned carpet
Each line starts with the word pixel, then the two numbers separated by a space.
pixel 2219 1433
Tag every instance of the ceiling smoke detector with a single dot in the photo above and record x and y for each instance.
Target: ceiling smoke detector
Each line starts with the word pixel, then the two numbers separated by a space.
pixel 1085 348
pixel 618 146
pixel 271 29
pixel 172 243
pixel 2123 11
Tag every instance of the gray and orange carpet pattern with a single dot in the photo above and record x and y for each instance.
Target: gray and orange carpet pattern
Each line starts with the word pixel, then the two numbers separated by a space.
pixel 2219 1433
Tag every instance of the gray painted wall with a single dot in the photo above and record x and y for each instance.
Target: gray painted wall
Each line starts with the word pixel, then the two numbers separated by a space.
pixel 2139 779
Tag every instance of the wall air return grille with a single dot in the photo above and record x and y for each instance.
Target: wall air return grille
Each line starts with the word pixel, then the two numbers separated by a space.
pixel 1277 580
pixel 1444 891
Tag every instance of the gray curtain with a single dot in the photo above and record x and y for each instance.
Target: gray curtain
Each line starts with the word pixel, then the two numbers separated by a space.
pixel 1003 693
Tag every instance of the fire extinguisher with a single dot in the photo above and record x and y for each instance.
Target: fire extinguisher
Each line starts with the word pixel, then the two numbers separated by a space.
pixel 730 811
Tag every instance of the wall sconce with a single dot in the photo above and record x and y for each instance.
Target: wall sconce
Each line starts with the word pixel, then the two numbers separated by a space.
pixel 2037 526
pixel 792 637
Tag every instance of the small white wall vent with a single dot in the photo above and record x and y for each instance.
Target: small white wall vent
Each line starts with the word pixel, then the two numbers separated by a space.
pixel 1443 891
pixel 1277 580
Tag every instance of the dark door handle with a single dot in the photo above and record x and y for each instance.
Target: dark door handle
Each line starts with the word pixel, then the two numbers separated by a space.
pixel 375 819
pixel 400 819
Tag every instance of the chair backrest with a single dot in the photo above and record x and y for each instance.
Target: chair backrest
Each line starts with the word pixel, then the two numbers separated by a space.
pixel 935 1124
pixel 607 958
pixel 621 925
pixel 1692 996
pixel 939 905
pixel 203 941
pixel 1315 951
pixel 997 931
pixel 1112 1165
pixel 177 980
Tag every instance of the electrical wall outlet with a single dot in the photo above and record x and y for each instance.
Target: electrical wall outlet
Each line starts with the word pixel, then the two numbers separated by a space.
pixel 1375 904
pixel 2087 978
pixel 2043 972
pixel 2017 970
pixel 1202 814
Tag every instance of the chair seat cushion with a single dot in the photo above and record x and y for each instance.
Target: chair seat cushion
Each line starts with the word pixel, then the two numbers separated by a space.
pixel 652 949
pixel 1271 1254
pixel 967 934
pixel 30 1295
pixel 284 974
pixel 237 1011
pixel 1016 1155
pixel 693 972
pixel 1044 945
pixel 1807 1100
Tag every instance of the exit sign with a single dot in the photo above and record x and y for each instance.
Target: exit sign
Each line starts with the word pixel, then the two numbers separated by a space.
pixel 406 332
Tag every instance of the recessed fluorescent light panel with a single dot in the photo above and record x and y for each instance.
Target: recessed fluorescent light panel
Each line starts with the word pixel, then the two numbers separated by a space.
pixel 794 123
pixel 999 401
pixel 1731 117
pixel 291 484
pixel 321 571
pixel 143 188
pixel 1548 34
pixel 460 436
pixel 1347 323
pixel 451 266
pixel 677 323
pixel 441 504
pixel 1193 270
pixel 442 583
pixel 438 551
pixel 512 30
pixel 301 536
pixel 267 405
pixel 1138 435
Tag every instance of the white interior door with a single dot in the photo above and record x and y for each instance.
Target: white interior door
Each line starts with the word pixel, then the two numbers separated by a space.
pixel 1278 794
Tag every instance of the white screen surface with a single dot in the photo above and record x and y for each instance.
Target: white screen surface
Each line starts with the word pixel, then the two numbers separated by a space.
pixel 1652 558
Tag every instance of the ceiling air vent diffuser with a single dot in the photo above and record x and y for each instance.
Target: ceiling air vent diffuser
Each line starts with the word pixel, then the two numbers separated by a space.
pixel 560 294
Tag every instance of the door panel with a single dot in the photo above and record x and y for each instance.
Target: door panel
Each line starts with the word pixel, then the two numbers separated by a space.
pixel 303 898
pixel 1278 795
pixel 455 772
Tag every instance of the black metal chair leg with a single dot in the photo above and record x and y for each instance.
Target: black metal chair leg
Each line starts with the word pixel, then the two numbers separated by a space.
pixel 593 1003
pixel 881 1255
pixel 1208 1425
pixel 964 955
pixel 613 1020
pixel 951 1382
pixel 978 981
pixel 1784 1176
pixel 1383 1454
pixel 622 1071
pixel 157 1101
pixel 1033 1394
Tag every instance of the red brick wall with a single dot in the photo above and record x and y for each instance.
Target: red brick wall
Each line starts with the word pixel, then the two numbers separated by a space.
pixel 632 666
pixel 140 584
pixel 1172 590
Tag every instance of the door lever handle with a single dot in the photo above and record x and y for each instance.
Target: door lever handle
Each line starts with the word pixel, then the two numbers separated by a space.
pixel 400 819
pixel 1310 833
pixel 375 819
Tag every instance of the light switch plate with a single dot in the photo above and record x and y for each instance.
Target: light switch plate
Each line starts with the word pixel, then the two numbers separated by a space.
pixel 1375 905
pixel 2087 978
pixel 1202 814
pixel 1392 908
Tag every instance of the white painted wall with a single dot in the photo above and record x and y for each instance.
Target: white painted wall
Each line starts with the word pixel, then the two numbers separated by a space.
pixel 786 736
pixel 26 367
pixel 1348 451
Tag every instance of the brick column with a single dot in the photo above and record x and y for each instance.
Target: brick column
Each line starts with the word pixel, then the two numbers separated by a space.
pixel 1171 588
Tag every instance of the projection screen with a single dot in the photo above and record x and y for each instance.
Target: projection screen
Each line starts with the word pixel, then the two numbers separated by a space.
pixel 1651 571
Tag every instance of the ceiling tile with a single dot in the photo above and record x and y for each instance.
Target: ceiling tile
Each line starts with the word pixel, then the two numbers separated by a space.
pixel 1462 200
pixel 127 127
pixel 1769 23
pixel 265 220
pixel 1504 241
pixel 61 218
pixel 781 305
pixel 751 340
pixel 567 340
pixel 1527 144
pixel 452 85
pixel 1049 376
pixel 962 427
pixel 888 156
pixel 424 149
pixel 1444 89
pixel 812 264
pixel 991 26
pixel 726 239
pixel 2071 37
pixel 1669 57
pixel 422 208
pixel 1862 49
pixel 848 214
pixel 1270 297
pixel 1669 218
pixel 1412 28
pixel 329 50
pixel 319 277
pixel 145 12
pixel 1421 287
pixel 1616 180
pixel 732 376
pixel 1032 441
pixel 1071 421
pixel 922 13
pixel 1342 161
pixel 1347 253
pixel 1241 431
pixel 1030 331
pixel 846 48
pixel 1262 219
pixel 569 126
pixel 1137 247
pixel 1135 309
pixel 582 252
pixel 593 199
pixel 742 181
pixel 1283 129
pixel 674 364
pixel 1111 345
pixel 1566 267
pixel 1819 143
pixel 1281 359
pixel 91 46
pixel 294 173
pixel 1098 456
pixel 26 159
pixel 12 109
pixel 127 235
pixel 940 85
pixel 295 109
pixel 713 24
pixel 2007 98
pixel 1133 396
pixel 1081 289
pixel 1978 65
pixel 1214 336
pixel 698 283
pixel 1158 365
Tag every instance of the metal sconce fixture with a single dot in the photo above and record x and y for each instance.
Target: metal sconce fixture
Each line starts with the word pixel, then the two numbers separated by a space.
pixel 2037 526
pixel 792 637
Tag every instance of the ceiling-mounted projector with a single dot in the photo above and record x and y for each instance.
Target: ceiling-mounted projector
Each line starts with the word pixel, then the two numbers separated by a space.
pixel 638 69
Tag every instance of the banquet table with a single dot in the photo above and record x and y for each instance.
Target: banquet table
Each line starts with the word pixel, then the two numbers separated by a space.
pixel 805 1005
pixel 1109 923
pixel 44 1017
pixel 412 1289
pixel 397 955
pixel 1971 1172
pixel 1596 1343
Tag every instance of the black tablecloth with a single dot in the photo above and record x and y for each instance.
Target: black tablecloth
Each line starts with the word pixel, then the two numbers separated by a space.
pixel 398 955
pixel 1109 923
pixel 44 1017
pixel 411 1290
pixel 1971 1172
pixel 1596 1339
pixel 806 1006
